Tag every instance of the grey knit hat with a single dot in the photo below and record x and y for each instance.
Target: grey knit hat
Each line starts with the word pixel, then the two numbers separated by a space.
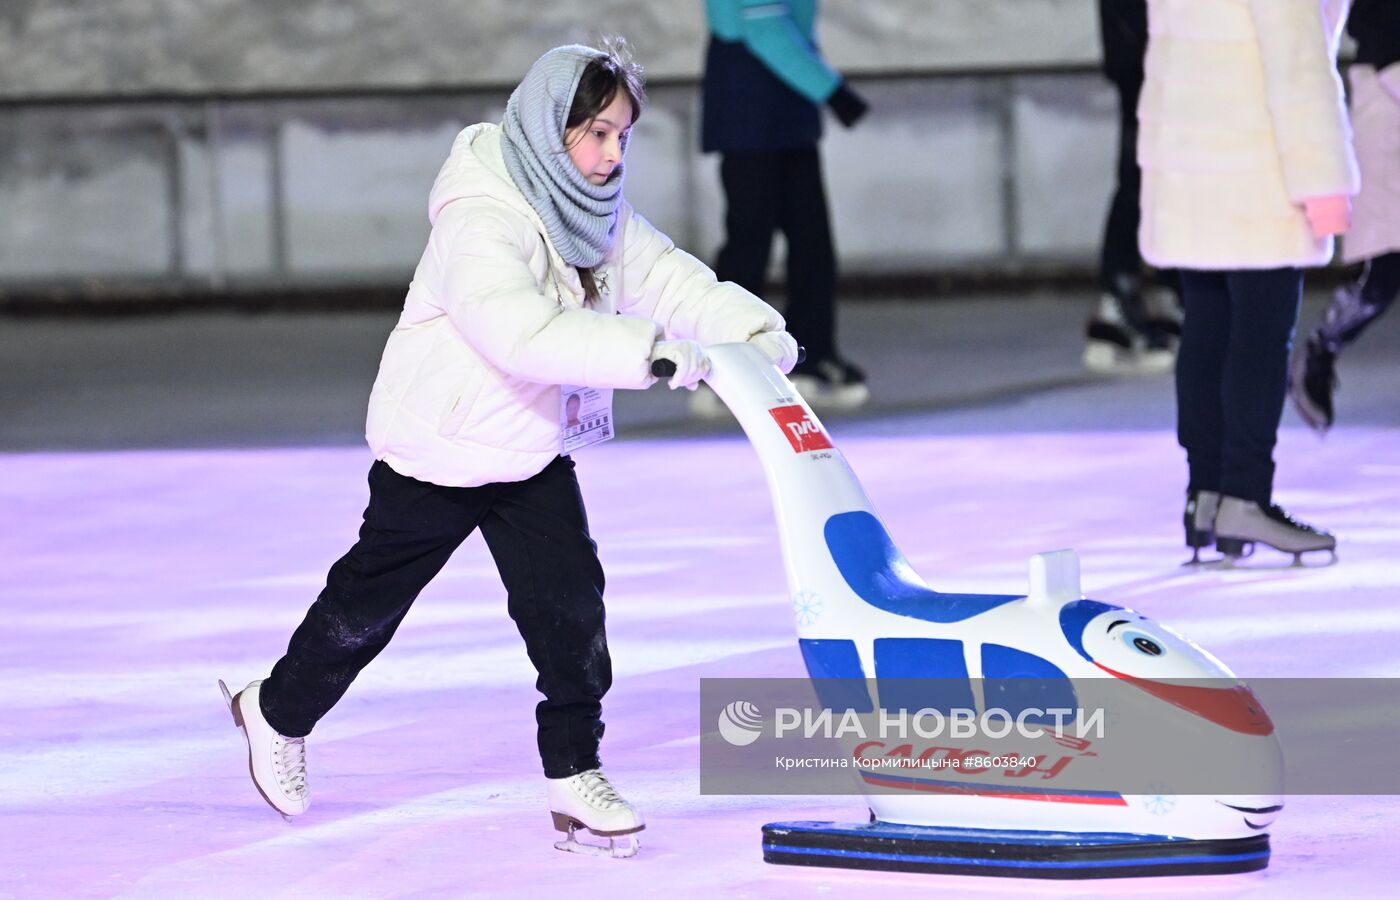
pixel 580 217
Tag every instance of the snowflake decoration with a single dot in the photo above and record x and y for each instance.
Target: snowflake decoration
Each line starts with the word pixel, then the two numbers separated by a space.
pixel 1161 802
pixel 806 607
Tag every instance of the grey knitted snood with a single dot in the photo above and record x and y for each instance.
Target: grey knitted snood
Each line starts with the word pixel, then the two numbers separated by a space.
pixel 579 217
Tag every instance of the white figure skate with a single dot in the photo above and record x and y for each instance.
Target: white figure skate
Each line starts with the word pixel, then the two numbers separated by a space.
pixel 588 801
pixel 277 763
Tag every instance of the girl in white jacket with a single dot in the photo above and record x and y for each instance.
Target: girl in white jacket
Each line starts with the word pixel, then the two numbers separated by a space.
pixel 537 275
pixel 1247 173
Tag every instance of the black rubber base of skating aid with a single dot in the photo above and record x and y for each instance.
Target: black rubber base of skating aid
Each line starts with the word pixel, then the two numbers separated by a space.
pixel 1007 854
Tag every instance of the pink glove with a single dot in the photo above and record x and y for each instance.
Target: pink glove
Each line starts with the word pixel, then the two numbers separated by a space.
pixel 1328 215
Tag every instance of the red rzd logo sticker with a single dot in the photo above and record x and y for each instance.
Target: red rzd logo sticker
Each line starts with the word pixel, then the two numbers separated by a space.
pixel 804 434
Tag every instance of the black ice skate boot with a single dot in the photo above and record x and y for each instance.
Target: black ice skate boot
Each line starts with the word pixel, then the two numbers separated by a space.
pixel 1199 519
pixel 1242 523
pixel 830 384
pixel 1312 379
pixel 1116 344
pixel 1162 315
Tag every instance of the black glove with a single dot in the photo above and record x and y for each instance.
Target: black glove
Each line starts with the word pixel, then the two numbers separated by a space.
pixel 847 104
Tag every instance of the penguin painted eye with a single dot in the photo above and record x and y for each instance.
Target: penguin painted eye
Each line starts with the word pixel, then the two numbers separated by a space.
pixel 1131 645
pixel 1143 644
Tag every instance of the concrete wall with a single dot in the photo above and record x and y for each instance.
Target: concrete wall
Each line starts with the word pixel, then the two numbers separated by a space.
pixel 107 47
pixel 248 144
pixel 980 172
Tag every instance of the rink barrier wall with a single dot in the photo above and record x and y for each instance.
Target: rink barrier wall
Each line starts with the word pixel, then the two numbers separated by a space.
pixel 995 177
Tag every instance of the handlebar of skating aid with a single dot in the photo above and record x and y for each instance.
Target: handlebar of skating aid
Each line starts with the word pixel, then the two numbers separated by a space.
pixel 665 368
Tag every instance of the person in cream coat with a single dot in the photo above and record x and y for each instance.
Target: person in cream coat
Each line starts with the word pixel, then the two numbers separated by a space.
pixel 1247 173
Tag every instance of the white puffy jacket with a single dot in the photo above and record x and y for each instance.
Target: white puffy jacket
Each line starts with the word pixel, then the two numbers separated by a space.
pixel 1241 120
pixel 495 320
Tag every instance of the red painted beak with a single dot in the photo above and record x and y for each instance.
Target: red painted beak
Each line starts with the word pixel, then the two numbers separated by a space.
pixel 1235 708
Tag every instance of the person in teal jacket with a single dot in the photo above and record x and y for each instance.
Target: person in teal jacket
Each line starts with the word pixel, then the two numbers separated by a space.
pixel 764 86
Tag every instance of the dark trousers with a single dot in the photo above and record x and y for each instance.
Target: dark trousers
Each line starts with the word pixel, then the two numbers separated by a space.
pixel 1232 374
pixel 1120 260
pixel 537 533
pixel 782 190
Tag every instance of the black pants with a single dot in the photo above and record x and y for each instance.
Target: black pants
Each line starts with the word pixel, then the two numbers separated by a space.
pixel 765 192
pixel 1120 260
pixel 1232 375
pixel 537 533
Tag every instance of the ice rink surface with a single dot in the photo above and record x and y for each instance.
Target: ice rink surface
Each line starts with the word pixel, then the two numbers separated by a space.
pixel 175 487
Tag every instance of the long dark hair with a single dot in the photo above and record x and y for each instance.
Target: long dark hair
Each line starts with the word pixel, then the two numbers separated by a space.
pixel 598 85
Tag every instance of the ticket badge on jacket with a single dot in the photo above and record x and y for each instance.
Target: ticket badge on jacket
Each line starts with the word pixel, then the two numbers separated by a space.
pixel 585 416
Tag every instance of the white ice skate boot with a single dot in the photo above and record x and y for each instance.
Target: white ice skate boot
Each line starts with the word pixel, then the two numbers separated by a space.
pixel 277 763
pixel 1241 523
pixel 587 800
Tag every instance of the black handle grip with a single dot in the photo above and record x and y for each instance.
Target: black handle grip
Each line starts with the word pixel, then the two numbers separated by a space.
pixel 665 368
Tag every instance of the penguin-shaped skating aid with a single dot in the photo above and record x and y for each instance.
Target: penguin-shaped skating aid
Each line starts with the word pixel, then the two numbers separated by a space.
pixel 868 623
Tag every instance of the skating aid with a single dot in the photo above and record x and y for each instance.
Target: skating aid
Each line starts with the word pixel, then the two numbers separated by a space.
pixel 867 616
pixel 1013 854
